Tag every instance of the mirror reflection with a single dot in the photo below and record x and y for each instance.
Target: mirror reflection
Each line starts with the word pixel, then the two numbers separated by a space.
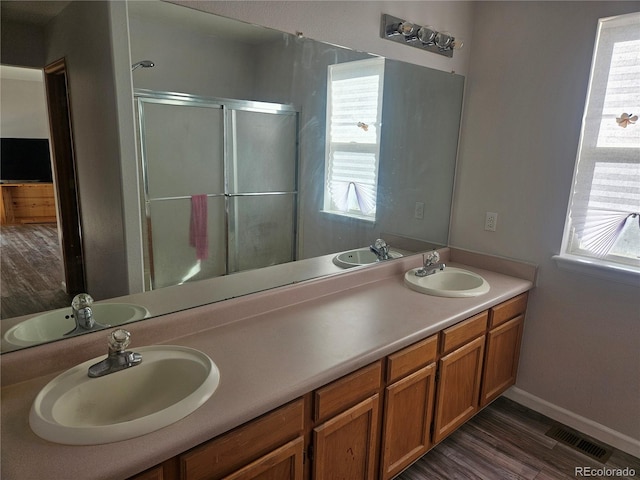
pixel 220 185
pixel 235 75
pixel 405 149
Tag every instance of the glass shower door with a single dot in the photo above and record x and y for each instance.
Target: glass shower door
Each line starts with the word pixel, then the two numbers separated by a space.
pixel 227 167
pixel 182 154
pixel 261 166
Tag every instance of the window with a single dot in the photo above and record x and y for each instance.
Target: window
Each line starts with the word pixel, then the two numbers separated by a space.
pixel 354 108
pixel 603 221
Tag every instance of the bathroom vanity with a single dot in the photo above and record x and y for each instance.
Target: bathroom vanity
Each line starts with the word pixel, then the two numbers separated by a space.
pixel 351 376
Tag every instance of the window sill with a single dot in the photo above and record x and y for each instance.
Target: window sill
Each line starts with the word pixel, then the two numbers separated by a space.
pixel 616 273
pixel 346 217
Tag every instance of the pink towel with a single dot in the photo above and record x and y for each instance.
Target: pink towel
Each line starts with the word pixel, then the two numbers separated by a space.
pixel 198 226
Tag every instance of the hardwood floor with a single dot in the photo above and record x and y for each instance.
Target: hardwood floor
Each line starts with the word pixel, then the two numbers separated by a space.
pixel 508 441
pixel 31 270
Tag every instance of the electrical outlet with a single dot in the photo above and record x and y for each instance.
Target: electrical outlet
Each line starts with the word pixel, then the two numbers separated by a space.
pixel 419 210
pixel 491 221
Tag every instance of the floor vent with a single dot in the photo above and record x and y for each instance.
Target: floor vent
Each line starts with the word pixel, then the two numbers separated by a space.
pixel 578 442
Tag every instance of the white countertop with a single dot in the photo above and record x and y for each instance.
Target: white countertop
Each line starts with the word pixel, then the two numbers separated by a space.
pixel 268 353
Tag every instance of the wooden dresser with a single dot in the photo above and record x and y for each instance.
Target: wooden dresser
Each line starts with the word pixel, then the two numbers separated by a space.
pixel 27 203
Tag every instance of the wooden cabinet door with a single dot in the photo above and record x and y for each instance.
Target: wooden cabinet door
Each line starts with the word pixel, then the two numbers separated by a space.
pixel 408 410
pixel 501 359
pixel 345 446
pixel 458 387
pixel 284 463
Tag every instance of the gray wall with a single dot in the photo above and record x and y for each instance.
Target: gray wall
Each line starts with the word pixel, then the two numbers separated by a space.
pixel 421 116
pixel 184 62
pixel 356 23
pixel 23 109
pixel 22 45
pixel 520 132
pixel 81 34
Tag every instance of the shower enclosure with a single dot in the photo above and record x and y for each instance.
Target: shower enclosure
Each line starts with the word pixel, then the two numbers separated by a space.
pixel 219 184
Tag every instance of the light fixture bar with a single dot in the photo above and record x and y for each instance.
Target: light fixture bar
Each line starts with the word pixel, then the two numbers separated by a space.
pixel 422 37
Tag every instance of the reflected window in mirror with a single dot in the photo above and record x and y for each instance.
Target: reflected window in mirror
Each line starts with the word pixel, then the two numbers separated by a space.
pixel 354 110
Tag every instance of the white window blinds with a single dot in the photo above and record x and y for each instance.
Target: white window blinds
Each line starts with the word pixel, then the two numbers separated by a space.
pixel 603 219
pixel 354 108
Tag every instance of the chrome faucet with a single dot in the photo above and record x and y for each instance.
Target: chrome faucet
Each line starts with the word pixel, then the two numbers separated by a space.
pixel 119 357
pixel 83 315
pixel 381 249
pixel 430 264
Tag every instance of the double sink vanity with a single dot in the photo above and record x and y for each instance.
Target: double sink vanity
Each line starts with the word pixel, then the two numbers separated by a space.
pixel 348 376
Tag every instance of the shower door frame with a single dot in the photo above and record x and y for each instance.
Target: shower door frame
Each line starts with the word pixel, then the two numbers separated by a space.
pixel 142 96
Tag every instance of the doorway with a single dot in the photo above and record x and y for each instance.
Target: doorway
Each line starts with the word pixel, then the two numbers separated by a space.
pixel 42 261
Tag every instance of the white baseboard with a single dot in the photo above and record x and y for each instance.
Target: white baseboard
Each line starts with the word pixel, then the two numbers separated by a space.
pixel 577 422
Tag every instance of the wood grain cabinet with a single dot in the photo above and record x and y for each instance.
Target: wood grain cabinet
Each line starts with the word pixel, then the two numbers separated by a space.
pixel 408 406
pixel 346 438
pixel 284 463
pixel 506 322
pixel 269 447
pixel 459 375
pixel 155 473
pixel 372 423
pixel 27 203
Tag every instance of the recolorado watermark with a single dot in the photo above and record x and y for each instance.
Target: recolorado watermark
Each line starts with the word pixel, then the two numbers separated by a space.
pixel 604 472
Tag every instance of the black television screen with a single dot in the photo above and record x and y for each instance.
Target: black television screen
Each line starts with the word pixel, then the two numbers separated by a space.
pixel 25 160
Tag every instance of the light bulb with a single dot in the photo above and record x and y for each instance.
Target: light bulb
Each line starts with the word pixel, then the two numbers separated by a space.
pixel 426 35
pixel 407 29
pixel 443 40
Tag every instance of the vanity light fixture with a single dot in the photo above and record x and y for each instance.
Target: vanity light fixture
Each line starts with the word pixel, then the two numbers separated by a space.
pixel 423 37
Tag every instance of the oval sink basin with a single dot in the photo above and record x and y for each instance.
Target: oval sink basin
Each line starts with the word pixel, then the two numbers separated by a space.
pixel 169 384
pixel 450 282
pixel 53 325
pixel 359 256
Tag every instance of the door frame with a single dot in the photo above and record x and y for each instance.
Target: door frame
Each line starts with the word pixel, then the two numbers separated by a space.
pixel 65 175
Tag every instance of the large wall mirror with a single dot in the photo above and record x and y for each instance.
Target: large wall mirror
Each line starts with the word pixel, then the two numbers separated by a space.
pixel 200 57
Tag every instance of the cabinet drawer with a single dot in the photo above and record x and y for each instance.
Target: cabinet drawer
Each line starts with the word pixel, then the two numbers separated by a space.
pixel 347 391
pixel 463 332
pixel 284 463
pixel 231 451
pixel 412 358
pixel 508 310
pixel 155 473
